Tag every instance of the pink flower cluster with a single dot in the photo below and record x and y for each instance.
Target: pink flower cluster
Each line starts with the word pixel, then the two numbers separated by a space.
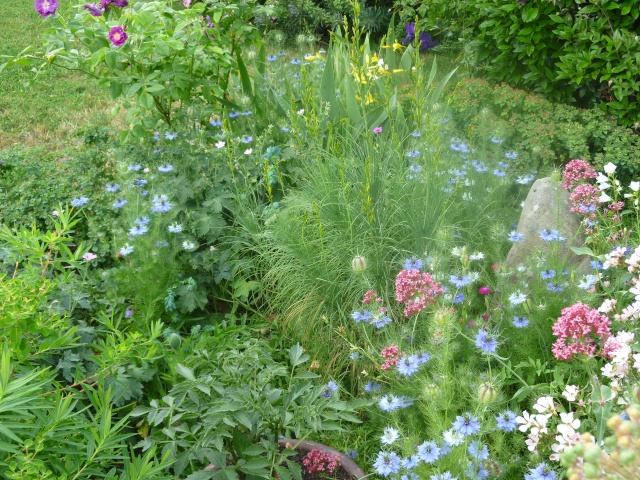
pixel 577 330
pixel 318 461
pixel 417 290
pixel 371 296
pixel 392 355
pixel 577 171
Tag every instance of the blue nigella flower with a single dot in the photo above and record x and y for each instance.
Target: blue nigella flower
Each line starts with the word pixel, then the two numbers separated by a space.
pixel 410 463
pixel 295 61
pixel 476 471
pixel 408 365
pixel 112 187
pixel 515 236
pixel 551 236
pixel 247 113
pixel 233 114
pixel 140 182
pixel 330 388
pixel 459 281
pixel 142 221
pixel 587 282
pixel 511 155
pixel 547 274
pixel 428 452
pixel 170 136
pixel 495 139
pixel 216 123
pixel 596 264
pixel 541 472
pixel 520 322
pixel 387 463
pixel 459 298
pixel 247 139
pixel 364 316
pixel 121 202
pixel 372 387
pixel 135 168
pixel 443 476
pixel 79 202
pixel 413 263
pixel 272 58
pixel 351 454
pixel 138 230
pixel 478 451
pixel 553 287
pixel 161 204
pixel 389 403
pixel 499 173
pixel 412 154
pixel 485 342
pixel 466 425
pixel 479 166
pixel 165 168
pixel 507 421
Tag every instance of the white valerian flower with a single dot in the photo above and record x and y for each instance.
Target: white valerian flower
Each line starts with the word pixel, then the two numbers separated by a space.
pixel 571 393
pixel 634 186
pixel 604 198
pixel 569 424
pixel 609 168
pixel 545 405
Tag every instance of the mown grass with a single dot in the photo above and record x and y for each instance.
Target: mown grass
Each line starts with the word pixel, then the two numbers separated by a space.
pixel 53 108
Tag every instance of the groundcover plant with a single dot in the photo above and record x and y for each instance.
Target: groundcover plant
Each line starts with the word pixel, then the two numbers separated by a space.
pixel 312 249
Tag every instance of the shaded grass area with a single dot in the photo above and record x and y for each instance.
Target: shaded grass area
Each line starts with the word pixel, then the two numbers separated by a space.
pixel 55 108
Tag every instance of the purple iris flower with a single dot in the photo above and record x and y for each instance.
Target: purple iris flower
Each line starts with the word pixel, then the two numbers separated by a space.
pixel 93 9
pixel 120 3
pixel 426 42
pixel 411 33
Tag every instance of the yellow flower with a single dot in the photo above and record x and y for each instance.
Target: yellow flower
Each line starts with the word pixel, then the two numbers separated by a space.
pixel 397 46
pixel 397 70
pixel 310 58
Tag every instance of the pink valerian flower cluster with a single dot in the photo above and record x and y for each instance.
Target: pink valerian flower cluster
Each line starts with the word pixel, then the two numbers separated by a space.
pixel 577 171
pixel 417 290
pixel 318 461
pixel 580 330
pixel 585 199
pixel 392 356
pixel 371 296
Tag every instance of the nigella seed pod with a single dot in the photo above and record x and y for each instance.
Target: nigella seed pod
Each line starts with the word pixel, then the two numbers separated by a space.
pixel 487 393
pixel 174 340
pixel 359 263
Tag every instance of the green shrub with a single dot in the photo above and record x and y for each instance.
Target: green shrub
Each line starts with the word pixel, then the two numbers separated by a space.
pixel 542 132
pixel 568 50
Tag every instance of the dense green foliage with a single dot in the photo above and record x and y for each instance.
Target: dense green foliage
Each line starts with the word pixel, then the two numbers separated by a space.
pixel 544 133
pixel 571 51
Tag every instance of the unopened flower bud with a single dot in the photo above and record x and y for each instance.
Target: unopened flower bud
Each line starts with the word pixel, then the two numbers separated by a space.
pixel 174 340
pixel 591 470
pixel 487 393
pixel 359 263
pixel 627 456
pixel 593 454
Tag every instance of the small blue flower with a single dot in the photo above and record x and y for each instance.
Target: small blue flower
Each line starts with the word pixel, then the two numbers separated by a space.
pixel 216 123
pixel 587 282
pixel 79 202
pixel 478 451
pixel 459 298
pixel 372 387
pixel 272 58
pixel 408 365
pixel 121 202
pixel 128 313
pixel 295 61
pixel 387 463
pixel 247 139
pixel 511 155
pixel 389 403
pixel 507 421
pixel 161 204
pixel 135 168
pixel 596 264
pixel 157 150
pixel 413 263
pixel 466 425
pixel 459 281
pixel 541 472
pixel 330 388
pixel 476 471
pixel 515 236
pixel 175 228
pixel 125 250
pixel 428 452
pixel 551 236
pixel 170 136
pixel 165 168
pixel 247 113
pixel 142 221
pixel 410 463
pixel 112 187
pixel 364 316
pixel 485 342
pixel 140 182
pixel 412 154
pixel 520 322
pixel 479 166
pixel 423 358
pixel 233 114
pixel 138 230
pixel 415 134
pixel 443 476
pixel 553 287
pixel 547 274
pixel 499 173
pixel 495 139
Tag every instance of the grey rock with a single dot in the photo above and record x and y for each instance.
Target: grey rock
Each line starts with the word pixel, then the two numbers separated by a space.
pixel 547 207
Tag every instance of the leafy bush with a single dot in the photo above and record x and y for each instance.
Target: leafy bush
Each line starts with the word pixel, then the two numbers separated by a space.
pixel 567 50
pixel 231 405
pixel 543 133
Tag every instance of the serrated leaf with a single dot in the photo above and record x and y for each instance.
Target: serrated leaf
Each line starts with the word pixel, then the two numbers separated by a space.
pixel 186 372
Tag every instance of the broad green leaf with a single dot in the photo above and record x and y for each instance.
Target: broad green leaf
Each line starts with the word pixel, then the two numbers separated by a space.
pixel 582 251
pixel 186 372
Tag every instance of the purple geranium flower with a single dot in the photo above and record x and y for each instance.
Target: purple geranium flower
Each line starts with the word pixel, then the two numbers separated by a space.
pixel 120 3
pixel 117 36
pixel 104 4
pixel 46 7
pixel 93 9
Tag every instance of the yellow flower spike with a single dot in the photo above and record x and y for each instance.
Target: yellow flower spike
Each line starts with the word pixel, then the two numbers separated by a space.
pixel 310 58
pixel 397 70
pixel 370 99
pixel 374 59
pixel 397 46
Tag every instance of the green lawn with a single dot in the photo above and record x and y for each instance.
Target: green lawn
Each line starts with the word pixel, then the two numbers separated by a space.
pixel 53 108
